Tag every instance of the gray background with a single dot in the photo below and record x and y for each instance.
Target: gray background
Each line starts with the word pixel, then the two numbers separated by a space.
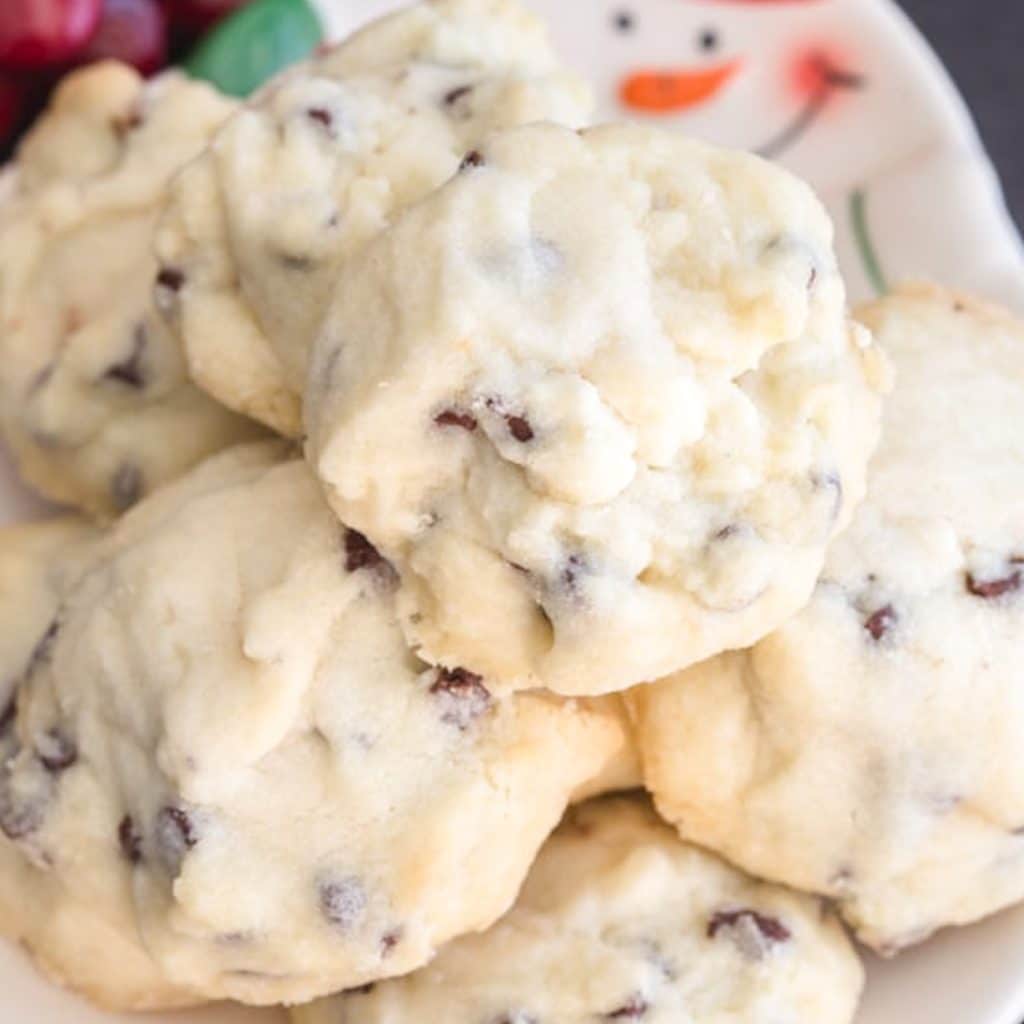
pixel 980 42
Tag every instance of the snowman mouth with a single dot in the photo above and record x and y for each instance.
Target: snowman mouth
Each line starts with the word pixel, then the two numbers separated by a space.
pixel 655 91
pixel 831 80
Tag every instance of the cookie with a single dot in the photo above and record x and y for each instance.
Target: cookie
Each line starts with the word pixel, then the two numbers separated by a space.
pixel 229 711
pixel 622 772
pixel 38 561
pixel 94 393
pixel 868 749
pixel 598 401
pixel 260 229
pixel 618 920
pixel 74 926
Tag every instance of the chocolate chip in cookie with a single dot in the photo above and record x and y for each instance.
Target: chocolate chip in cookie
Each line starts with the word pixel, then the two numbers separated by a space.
pixel 128 371
pixel 323 117
pixel 453 97
pixel 126 486
pixel 463 694
pixel 881 622
pixel 169 282
pixel 473 159
pixel 634 1008
pixel 56 751
pixel 455 417
pixel 390 940
pixel 342 901
pixel 753 933
pixel 176 834
pixel 361 554
pixel 129 840
pixel 992 589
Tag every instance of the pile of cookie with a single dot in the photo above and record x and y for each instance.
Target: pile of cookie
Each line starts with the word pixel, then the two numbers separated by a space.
pixel 451 473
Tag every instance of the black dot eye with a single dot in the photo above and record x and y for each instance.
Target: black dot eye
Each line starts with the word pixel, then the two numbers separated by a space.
pixel 708 40
pixel 624 21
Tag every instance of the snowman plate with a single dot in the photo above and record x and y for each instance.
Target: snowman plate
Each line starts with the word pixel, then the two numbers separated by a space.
pixel 848 95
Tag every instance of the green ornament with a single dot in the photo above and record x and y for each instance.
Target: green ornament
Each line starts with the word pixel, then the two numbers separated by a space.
pixel 254 43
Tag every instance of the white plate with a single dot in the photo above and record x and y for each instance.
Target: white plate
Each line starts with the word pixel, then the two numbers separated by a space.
pixel 895 155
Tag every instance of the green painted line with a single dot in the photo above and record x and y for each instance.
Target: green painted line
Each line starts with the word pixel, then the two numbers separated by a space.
pixel 866 248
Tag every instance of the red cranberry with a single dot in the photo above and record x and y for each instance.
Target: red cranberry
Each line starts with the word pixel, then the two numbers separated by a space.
pixel 14 105
pixel 195 16
pixel 41 33
pixel 132 31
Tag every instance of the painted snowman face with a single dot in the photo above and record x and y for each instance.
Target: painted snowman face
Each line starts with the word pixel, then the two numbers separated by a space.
pixel 843 92
pixel 813 83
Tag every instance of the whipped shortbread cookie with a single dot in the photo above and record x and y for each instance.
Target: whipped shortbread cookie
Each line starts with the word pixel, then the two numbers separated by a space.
pixel 226 717
pixel 618 920
pixel 868 749
pixel 94 395
pixel 75 918
pixel 598 401
pixel 260 229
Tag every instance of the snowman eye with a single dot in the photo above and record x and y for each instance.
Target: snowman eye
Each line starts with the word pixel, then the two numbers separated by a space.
pixel 708 40
pixel 624 21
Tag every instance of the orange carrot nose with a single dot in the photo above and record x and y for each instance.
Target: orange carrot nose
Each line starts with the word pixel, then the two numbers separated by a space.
pixel 665 92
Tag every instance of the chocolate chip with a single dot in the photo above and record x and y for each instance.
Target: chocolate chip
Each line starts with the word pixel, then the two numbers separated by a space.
pixel 361 554
pixel 633 1009
pixel 342 901
pixel 812 277
pixel 290 261
pixel 362 990
pixel 44 648
pixel 575 566
pixel 129 840
pixel 128 122
pixel 456 418
pixel 9 715
pixel 453 96
pixel 176 834
pixel 56 752
pixel 879 623
pixel 171 278
pixel 389 940
pixel 169 281
pixel 129 370
pixel 322 116
pixel 474 158
pixel 464 695
pixel 990 590
pixel 519 427
pixel 19 818
pixel 753 932
pixel 126 486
